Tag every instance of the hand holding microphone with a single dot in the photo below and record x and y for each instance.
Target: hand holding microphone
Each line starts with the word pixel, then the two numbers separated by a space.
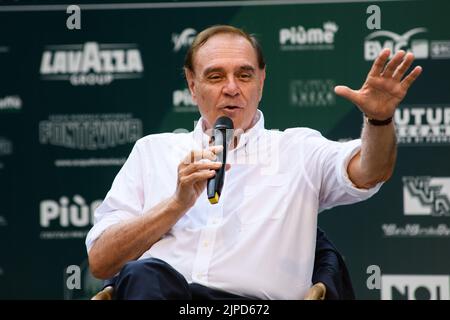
pixel 201 168
pixel 222 135
pixel 193 171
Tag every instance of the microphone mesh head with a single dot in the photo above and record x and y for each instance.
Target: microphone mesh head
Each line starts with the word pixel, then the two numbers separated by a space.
pixel 224 123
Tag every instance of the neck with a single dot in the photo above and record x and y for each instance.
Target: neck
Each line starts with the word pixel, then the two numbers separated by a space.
pixel 236 132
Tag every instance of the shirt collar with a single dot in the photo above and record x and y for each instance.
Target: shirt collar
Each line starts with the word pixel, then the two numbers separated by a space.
pixel 202 138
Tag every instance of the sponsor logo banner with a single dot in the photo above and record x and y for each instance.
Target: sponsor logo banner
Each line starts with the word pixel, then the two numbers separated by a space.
pixel 423 125
pixel 415 287
pixel 423 196
pixel 6 147
pixel 182 101
pixel 91 63
pixel 10 103
pixel 90 131
pixel 66 218
pixel 183 39
pixel 426 196
pixel 413 40
pixel 308 38
pixel 3 222
pixel 312 93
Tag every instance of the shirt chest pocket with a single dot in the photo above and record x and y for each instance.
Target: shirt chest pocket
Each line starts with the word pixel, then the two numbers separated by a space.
pixel 264 199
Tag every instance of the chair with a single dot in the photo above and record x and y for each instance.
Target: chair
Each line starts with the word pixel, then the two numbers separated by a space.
pixel 316 292
pixel 330 275
pixel 105 294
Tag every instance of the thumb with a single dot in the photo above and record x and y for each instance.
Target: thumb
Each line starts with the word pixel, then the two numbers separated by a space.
pixel 347 93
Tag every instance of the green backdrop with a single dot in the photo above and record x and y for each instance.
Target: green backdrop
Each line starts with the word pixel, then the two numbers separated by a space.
pixel 73 102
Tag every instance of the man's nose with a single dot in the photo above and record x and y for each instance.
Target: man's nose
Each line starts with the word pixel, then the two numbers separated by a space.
pixel 231 87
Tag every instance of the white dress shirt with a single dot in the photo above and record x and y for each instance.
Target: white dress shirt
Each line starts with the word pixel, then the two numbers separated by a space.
pixel 259 240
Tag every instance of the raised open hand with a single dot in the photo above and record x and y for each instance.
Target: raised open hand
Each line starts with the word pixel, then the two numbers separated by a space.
pixel 385 87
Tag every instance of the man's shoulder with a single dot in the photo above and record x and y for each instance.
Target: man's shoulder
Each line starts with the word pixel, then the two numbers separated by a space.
pixel 163 138
pixel 298 133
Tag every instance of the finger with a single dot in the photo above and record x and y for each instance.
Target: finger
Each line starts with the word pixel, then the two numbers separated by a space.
pixel 347 93
pixel 401 70
pixel 380 61
pixel 215 149
pixel 199 166
pixel 197 176
pixel 410 78
pixel 196 155
pixel 393 64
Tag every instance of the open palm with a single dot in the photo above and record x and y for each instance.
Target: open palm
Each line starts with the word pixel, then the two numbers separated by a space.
pixel 384 87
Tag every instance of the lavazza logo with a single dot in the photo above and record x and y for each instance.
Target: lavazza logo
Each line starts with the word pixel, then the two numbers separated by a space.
pixel 90 131
pixel 301 38
pixel 423 196
pixel 312 93
pixel 91 63
pixel 182 101
pixel 415 287
pixel 184 39
pixel 66 218
pixel 412 40
pixel 11 103
pixel 423 125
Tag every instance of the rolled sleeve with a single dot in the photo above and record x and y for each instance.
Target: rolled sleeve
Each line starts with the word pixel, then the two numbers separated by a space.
pixel 336 188
pixel 349 150
pixel 124 201
pixel 109 220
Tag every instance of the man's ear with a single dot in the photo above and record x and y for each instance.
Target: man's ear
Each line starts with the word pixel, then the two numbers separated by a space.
pixel 261 84
pixel 190 82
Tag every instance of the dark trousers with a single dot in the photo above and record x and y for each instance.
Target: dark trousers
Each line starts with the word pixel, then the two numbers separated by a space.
pixel 154 279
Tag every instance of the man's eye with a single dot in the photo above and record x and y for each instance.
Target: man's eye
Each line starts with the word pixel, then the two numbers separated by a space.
pixel 245 76
pixel 214 77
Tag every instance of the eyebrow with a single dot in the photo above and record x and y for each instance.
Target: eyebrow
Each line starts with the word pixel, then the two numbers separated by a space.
pixel 245 67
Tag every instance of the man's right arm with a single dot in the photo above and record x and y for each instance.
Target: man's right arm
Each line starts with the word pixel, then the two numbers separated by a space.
pixel 128 240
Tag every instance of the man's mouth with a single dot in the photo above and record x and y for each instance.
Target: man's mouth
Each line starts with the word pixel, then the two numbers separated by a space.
pixel 231 108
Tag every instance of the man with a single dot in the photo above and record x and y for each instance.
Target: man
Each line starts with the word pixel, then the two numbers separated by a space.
pixel 259 240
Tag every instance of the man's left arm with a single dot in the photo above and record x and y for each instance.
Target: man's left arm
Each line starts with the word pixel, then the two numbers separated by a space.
pixel 381 93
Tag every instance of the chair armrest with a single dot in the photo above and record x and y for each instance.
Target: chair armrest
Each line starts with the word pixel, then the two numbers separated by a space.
pixel 316 292
pixel 105 294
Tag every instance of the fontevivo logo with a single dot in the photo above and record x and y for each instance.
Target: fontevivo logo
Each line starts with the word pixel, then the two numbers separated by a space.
pixel 90 131
pixel 91 63
pixel 300 38
pixel 415 287
pixel 183 39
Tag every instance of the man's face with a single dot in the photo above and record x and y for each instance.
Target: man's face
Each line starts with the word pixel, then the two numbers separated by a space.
pixel 226 80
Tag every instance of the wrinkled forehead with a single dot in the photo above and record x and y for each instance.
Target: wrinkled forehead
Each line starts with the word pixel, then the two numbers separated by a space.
pixel 225 48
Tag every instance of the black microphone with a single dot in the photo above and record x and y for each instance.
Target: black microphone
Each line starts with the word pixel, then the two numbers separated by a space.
pixel 222 135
